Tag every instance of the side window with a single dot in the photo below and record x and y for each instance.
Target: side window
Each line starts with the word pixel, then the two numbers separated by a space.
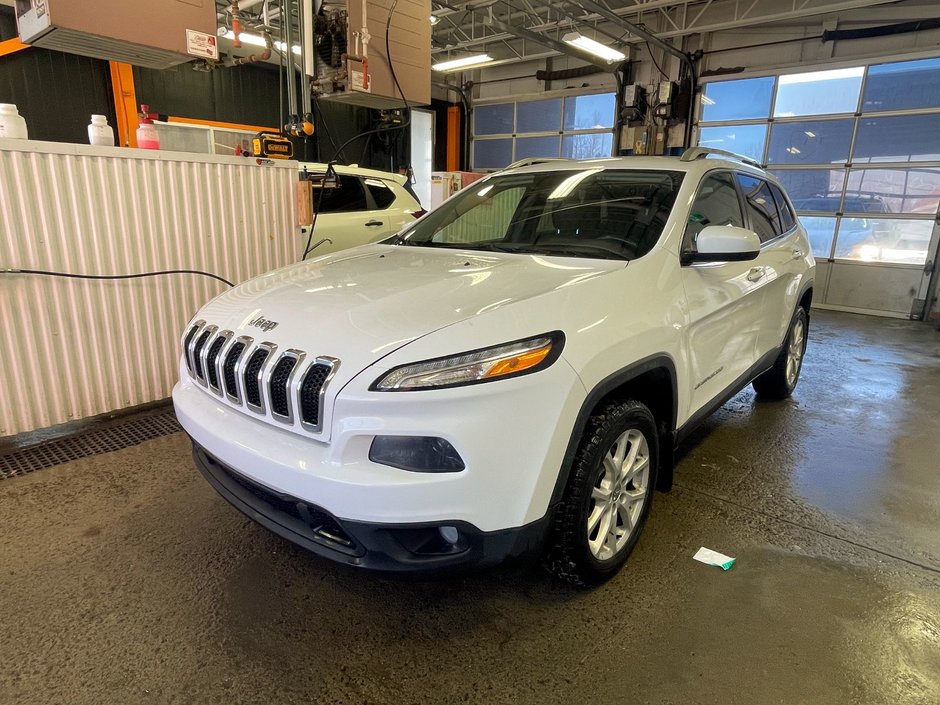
pixel 787 219
pixel 380 192
pixel 761 208
pixel 350 196
pixel 716 203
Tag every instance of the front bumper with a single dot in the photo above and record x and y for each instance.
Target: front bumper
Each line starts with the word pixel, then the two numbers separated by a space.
pixel 388 547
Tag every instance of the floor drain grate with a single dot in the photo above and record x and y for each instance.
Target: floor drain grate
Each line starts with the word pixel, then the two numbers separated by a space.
pixel 81 445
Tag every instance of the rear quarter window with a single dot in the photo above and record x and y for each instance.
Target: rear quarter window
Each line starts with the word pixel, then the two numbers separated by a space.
pixel 381 193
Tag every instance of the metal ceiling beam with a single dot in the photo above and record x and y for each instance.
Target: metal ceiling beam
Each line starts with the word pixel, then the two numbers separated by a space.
pixel 690 16
pixel 591 6
pixel 547 41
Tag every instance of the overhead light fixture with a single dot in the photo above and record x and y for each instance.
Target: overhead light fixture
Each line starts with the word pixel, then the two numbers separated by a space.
pixel 706 100
pixel 462 63
pixel 808 133
pixel 257 40
pixel 434 19
pixel 576 39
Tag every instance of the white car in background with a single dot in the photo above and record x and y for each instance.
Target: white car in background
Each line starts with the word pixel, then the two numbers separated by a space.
pixel 368 205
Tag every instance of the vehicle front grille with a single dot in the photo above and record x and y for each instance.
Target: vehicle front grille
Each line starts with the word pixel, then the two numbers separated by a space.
pixel 280 393
pixel 212 359
pixel 252 385
pixel 310 389
pixel 228 368
pixel 258 377
pixel 197 353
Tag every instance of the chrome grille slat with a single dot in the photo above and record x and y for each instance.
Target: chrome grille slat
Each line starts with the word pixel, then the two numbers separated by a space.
pixel 312 391
pixel 253 375
pixel 281 384
pixel 200 352
pixel 187 342
pixel 213 355
pixel 232 368
pixel 198 345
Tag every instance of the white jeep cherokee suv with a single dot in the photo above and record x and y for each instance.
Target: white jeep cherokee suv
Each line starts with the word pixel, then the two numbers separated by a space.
pixel 509 374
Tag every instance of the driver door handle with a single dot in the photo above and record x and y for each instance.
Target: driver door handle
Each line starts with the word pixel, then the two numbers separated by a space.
pixel 756 274
pixel 373 223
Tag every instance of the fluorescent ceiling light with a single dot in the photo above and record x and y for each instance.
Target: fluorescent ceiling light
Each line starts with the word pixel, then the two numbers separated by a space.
pixel 577 39
pixel 706 100
pixel 462 63
pixel 830 75
pixel 257 40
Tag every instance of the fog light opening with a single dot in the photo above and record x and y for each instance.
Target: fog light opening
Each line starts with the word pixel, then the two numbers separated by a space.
pixel 416 453
pixel 450 534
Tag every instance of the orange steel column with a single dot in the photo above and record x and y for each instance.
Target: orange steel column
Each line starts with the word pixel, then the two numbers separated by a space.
pixel 453 138
pixel 125 103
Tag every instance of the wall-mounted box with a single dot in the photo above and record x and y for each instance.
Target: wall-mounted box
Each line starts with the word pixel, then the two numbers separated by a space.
pixel 150 33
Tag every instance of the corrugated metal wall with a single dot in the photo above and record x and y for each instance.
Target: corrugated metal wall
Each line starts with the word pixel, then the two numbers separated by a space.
pixel 75 348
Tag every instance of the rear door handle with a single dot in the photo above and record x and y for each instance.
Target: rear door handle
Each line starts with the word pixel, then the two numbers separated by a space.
pixel 797 254
pixel 374 223
pixel 756 274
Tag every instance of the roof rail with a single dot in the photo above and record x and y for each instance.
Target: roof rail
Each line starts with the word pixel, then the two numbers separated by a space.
pixel 693 153
pixel 530 161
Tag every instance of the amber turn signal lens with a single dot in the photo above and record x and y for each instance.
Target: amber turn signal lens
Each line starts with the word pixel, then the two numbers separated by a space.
pixel 517 363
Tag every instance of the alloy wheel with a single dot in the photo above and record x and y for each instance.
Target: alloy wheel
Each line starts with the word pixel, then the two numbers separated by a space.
pixel 618 495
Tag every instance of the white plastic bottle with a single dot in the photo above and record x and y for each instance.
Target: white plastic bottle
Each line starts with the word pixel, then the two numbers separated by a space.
pixel 100 132
pixel 12 124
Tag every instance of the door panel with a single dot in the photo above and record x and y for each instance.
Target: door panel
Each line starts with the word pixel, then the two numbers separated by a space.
pixel 783 262
pixel 724 305
pixel 724 322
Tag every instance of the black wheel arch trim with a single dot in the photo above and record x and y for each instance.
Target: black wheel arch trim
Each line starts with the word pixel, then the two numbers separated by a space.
pixel 601 390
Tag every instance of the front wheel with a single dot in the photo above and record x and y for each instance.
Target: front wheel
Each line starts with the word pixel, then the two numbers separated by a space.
pixel 780 380
pixel 608 496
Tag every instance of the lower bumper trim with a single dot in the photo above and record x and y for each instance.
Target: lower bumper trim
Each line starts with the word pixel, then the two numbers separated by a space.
pixel 410 547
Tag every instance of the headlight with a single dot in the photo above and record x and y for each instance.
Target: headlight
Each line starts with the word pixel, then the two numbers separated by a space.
pixel 511 359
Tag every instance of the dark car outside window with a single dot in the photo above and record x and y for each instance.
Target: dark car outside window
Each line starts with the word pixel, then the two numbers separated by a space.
pixel 787 219
pixel 762 209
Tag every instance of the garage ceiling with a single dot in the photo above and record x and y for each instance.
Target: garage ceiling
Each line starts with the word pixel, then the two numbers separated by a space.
pixel 519 30
pixel 476 26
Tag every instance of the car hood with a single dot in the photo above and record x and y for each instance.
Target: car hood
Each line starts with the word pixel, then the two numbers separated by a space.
pixel 363 304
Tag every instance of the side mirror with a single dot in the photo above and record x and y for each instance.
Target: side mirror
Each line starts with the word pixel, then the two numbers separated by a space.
pixel 724 243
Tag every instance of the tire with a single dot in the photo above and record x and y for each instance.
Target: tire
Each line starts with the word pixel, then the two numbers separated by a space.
pixel 581 551
pixel 780 380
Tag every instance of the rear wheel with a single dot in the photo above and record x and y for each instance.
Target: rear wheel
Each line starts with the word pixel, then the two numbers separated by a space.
pixel 780 380
pixel 608 497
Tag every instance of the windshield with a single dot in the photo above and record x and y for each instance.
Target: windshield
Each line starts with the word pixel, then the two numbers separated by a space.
pixel 592 212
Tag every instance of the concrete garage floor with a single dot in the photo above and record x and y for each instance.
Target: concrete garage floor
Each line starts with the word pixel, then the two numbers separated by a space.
pixel 125 579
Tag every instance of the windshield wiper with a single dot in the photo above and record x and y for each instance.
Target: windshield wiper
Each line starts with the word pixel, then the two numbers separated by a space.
pixel 576 250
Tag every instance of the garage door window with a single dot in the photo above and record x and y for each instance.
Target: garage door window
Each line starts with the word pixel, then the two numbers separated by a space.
pixel 857 149
pixel 573 127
